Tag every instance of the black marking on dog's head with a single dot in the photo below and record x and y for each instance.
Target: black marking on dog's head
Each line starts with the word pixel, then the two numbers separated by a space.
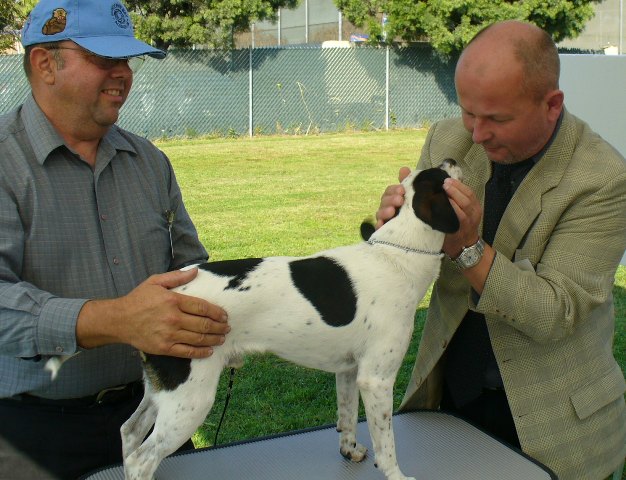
pixel 238 269
pixel 166 373
pixel 430 201
pixel 327 286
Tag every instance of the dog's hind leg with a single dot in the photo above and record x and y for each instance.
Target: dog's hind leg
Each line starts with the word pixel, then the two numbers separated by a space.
pixel 135 429
pixel 377 394
pixel 347 415
pixel 179 413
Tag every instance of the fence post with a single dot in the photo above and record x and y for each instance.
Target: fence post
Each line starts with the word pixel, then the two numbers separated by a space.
pixel 387 88
pixel 306 21
pixel 250 95
pixel 340 25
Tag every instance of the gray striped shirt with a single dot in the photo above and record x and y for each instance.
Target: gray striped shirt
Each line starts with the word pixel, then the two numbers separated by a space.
pixel 70 233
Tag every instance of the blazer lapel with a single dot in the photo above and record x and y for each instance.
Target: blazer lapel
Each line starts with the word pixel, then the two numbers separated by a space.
pixel 477 168
pixel 525 205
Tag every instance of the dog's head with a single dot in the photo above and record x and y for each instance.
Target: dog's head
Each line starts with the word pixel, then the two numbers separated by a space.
pixel 430 201
pixel 427 198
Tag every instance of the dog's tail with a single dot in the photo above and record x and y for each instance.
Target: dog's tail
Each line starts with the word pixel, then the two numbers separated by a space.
pixel 367 229
pixel 54 363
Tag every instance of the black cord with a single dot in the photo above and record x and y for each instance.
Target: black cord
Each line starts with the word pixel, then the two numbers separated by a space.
pixel 228 395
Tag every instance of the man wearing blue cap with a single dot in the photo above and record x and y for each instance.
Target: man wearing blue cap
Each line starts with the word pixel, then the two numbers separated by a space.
pixel 91 216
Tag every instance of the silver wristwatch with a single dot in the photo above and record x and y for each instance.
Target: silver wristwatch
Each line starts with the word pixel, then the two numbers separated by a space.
pixel 471 255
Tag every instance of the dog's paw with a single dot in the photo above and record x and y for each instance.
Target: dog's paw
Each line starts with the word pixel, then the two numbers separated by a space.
pixel 367 229
pixel 354 453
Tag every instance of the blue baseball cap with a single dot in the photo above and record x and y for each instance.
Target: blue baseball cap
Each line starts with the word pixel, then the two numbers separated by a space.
pixel 103 27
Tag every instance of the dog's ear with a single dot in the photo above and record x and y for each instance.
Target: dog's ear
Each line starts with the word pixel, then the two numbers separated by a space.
pixel 430 201
pixel 367 229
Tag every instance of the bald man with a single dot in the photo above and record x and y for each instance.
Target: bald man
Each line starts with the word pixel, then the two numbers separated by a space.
pixel 518 337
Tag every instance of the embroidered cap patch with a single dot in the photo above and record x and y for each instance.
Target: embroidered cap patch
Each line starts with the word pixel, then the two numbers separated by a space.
pixel 56 24
pixel 120 15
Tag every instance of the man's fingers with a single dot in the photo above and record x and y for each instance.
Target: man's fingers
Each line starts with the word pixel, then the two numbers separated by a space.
pixel 182 350
pixel 403 173
pixel 196 345
pixel 383 214
pixel 394 193
pixel 173 279
pixel 200 307
pixel 196 339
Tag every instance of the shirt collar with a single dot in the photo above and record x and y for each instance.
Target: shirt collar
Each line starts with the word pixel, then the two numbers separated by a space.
pixel 519 170
pixel 537 156
pixel 45 139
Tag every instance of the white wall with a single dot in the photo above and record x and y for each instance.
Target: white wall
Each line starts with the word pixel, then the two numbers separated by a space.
pixel 595 91
pixel 605 29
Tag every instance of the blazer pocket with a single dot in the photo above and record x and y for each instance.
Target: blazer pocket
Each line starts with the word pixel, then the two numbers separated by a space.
pixel 592 397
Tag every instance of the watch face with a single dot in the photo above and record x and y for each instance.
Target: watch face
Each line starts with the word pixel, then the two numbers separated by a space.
pixel 472 257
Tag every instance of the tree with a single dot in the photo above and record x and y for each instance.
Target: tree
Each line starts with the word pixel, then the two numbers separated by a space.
pixel 12 16
pixel 183 23
pixel 450 24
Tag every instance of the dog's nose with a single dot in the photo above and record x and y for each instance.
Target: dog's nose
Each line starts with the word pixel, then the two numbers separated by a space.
pixel 447 163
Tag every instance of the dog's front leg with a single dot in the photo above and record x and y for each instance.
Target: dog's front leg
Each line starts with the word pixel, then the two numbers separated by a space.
pixel 347 415
pixel 377 394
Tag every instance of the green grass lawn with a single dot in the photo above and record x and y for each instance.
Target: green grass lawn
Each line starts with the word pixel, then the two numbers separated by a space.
pixel 295 196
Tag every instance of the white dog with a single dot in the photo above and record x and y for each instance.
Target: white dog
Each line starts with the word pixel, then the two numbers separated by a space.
pixel 349 310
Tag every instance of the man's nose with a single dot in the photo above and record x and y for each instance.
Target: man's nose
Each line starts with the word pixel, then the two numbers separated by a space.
pixel 480 131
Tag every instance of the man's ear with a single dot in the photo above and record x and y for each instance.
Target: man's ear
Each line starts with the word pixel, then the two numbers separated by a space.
pixel 554 101
pixel 43 66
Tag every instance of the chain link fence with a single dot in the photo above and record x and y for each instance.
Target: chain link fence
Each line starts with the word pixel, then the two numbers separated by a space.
pixel 276 90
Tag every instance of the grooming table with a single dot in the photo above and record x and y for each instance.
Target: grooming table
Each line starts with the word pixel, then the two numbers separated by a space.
pixel 430 446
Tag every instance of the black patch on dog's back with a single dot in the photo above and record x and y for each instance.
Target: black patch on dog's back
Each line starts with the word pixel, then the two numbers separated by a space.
pixel 166 373
pixel 327 286
pixel 238 269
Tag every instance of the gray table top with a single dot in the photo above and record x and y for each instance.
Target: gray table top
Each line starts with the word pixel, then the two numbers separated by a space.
pixel 430 446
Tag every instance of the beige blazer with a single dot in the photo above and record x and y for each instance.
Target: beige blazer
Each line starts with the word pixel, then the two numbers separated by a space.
pixel 548 299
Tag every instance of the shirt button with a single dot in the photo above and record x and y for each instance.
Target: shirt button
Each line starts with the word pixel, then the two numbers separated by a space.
pixel 116 261
pixel 104 217
pixel 59 349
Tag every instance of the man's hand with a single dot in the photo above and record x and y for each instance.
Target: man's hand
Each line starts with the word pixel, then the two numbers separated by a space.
pixel 155 319
pixel 392 198
pixel 469 212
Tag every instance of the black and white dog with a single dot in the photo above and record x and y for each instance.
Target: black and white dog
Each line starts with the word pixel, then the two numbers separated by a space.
pixel 349 310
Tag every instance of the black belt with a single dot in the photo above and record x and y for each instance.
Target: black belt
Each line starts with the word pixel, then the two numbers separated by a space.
pixel 106 396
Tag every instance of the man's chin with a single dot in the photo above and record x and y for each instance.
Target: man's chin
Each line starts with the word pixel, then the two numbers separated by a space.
pixel 498 155
pixel 109 119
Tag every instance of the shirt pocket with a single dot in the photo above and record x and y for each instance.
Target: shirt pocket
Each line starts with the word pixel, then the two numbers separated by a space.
pixel 151 239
